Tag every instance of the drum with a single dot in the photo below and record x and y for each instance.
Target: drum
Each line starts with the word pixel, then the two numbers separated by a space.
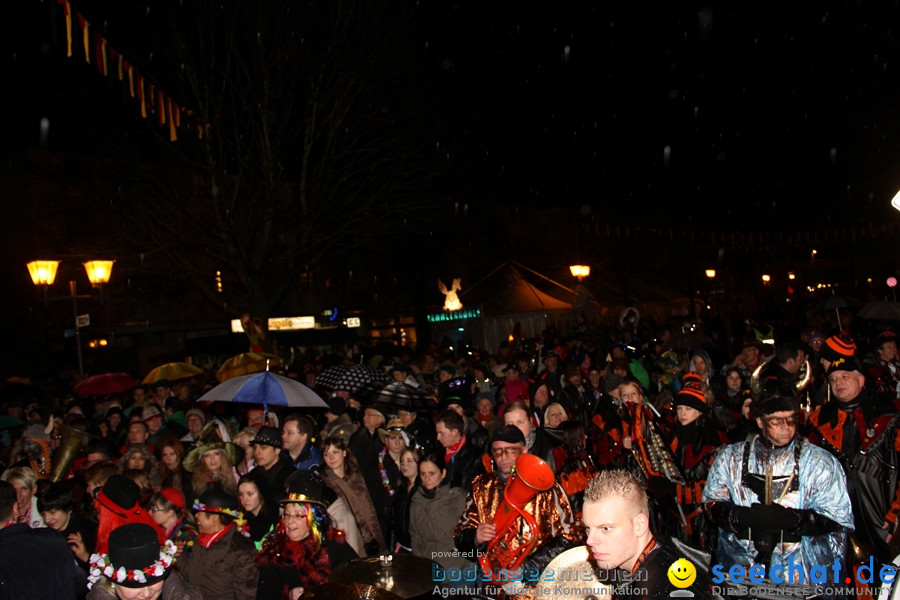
pixel 571 576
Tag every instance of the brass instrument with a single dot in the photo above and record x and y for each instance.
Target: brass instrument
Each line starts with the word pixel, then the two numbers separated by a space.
pixel 72 441
pixel 532 475
pixel 756 385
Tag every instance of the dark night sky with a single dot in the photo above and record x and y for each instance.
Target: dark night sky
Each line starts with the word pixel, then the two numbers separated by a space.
pixel 741 116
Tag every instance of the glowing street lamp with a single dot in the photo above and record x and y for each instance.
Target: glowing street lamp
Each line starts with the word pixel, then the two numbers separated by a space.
pixel 98 271
pixel 766 278
pixel 43 273
pixel 580 271
pixel 711 273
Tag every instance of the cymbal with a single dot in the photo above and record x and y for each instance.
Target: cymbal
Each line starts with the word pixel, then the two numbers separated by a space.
pixel 570 576
pixel 349 591
pixel 407 576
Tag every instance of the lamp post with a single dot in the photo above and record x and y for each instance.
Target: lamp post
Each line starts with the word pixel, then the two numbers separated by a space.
pixel 43 273
pixel 580 271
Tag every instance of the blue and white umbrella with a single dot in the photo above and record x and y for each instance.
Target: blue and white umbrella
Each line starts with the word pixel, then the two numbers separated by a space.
pixel 267 389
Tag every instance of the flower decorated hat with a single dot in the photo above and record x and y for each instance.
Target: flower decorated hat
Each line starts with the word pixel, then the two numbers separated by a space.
pixel 135 558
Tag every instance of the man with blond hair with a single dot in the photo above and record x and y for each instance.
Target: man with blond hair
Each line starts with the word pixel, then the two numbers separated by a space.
pixel 617 520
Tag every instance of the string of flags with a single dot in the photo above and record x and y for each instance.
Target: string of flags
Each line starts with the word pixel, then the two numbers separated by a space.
pixel 152 100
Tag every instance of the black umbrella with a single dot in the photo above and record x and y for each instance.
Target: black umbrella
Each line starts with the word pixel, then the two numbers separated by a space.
pixel 881 310
pixel 350 377
pixel 396 395
pixel 836 302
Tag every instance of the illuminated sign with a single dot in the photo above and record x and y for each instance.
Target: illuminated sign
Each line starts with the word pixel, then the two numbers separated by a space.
pixel 468 313
pixel 291 323
pixel 236 326
pixel 353 322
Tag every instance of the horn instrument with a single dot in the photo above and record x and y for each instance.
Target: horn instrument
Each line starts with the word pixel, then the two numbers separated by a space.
pixel 508 550
pixel 72 441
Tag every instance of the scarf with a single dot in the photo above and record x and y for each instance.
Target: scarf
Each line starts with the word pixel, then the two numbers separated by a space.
pixel 208 539
pixel 311 563
pixel 451 451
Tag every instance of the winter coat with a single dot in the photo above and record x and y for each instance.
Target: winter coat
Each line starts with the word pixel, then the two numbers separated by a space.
pixel 36 563
pixel 431 524
pixel 355 493
pixel 224 570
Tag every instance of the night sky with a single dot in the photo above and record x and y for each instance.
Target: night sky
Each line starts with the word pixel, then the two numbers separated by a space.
pixel 749 116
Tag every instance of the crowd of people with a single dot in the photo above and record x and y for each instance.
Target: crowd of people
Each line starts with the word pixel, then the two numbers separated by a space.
pixel 773 454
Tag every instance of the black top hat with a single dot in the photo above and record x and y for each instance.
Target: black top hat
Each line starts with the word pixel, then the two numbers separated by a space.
pixel 119 494
pixel 267 436
pixel 307 487
pixel 135 559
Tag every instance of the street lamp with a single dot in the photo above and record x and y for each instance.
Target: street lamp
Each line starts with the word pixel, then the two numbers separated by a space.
pixel 580 271
pixel 711 273
pixel 43 273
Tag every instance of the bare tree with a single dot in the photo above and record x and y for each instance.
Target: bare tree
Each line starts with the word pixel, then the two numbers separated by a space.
pixel 313 147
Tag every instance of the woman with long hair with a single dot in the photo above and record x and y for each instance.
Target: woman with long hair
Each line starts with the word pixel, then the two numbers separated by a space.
pixel 304 547
pixel 342 475
pixel 258 505
pixel 138 456
pixel 409 468
pixel 172 473
pixel 169 511
pixel 213 462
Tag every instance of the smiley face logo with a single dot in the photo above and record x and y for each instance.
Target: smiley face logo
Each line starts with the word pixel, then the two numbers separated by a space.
pixel 682 573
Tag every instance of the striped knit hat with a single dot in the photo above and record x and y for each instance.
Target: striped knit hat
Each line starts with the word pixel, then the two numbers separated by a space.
pixel 838 346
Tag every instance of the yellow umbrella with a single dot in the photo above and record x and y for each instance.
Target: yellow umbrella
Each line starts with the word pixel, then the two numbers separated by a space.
pixel 172 371
pixel 246 363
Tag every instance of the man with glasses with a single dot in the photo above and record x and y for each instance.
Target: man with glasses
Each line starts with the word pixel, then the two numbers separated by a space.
pixel 778 499
pixel 555 526
pixel 860 428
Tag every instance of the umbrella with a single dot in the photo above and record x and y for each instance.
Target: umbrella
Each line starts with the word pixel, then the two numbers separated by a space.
pixel 397 394
pixel 882 310
pixel 246 363
pixel 350 377
pixel 107 383
pixel 172 371
pixel 265 388
pixel 837 302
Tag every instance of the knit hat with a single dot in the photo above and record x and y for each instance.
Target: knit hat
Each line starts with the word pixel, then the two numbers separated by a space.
pixel 837 346
pixel 195 412
pixel 446 369
pixel 267 436
pixel 611 382
pixel 691 395
pixel 135 559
